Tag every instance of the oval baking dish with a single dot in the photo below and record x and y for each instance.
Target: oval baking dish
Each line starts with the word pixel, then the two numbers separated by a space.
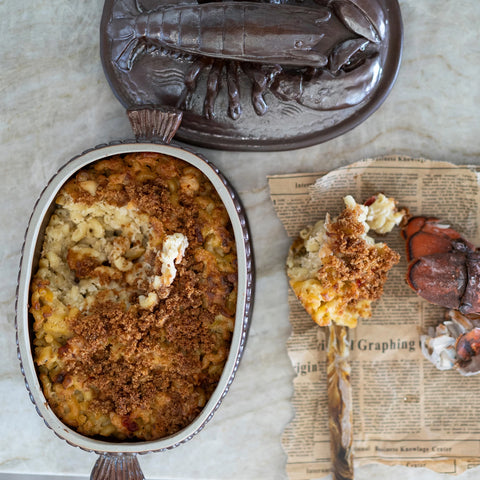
pixel 120 456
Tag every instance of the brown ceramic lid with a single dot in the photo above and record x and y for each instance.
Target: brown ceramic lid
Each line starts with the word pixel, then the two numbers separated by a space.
pixel 254 75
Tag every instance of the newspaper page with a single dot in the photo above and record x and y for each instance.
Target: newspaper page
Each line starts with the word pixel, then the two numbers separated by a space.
pixel 405 410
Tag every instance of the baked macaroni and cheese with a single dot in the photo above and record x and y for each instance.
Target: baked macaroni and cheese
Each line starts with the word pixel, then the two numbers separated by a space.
pixel 134 298
pixel 335 269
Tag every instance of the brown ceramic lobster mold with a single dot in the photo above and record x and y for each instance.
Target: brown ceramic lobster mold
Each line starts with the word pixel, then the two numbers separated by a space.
pixel 254 75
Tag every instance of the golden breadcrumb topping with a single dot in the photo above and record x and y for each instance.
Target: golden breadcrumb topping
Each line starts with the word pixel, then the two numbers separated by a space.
pixel 134 298
pixel 336 270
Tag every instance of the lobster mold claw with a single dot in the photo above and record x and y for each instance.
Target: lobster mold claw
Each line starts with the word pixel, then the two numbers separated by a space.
pixel 329 91
pixel 362 18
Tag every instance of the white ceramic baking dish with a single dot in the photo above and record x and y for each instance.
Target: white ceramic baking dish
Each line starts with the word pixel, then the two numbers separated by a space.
pixel 118 459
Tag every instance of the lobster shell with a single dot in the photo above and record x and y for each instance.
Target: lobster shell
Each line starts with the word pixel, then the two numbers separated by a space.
pixel 444 267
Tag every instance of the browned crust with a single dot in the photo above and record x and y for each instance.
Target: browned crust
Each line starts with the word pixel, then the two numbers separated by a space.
pixel 356 263
pixel 149 370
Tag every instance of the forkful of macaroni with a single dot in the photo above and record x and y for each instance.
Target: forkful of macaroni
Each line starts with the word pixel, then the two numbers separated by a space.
pixel 336 271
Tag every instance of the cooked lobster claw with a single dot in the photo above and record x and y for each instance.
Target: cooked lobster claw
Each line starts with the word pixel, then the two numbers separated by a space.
pixel 444 267
pixel 426 236
pixel 439 278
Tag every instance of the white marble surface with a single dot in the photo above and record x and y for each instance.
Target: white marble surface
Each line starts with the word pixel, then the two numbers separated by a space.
pixel 55 103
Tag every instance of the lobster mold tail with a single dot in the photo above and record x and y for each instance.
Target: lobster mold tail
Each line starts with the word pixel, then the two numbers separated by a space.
pixel 121 28
pixel 126 56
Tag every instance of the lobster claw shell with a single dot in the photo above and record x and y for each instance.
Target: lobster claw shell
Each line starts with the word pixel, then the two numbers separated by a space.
pixel 451 280
pixel 362 18
pixel 426 236
pixel 439 278
pixel 426 243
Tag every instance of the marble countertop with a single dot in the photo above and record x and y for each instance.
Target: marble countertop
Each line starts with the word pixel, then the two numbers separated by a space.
pixel 55 103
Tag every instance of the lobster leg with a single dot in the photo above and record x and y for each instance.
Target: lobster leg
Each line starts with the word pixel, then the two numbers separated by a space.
pixel 261 79
pixel 234 107
pixel 259 84
pixel 213 87
pixel 190 81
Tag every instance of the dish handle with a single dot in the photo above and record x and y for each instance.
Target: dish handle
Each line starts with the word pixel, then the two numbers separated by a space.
pixel 117 466
pixel 154 123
